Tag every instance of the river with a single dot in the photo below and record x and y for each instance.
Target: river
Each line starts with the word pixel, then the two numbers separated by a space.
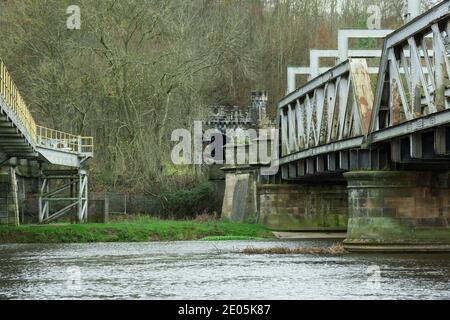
pixel 214 270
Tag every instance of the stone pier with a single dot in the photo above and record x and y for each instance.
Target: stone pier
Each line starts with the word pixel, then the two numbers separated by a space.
pixel 303 207
pixel 398 211
pixel 8 198
pixel 240 203
pixel 386 211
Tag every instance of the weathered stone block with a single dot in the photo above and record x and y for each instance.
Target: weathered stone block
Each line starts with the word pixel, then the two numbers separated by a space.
pixel 413 216
pixel 306 207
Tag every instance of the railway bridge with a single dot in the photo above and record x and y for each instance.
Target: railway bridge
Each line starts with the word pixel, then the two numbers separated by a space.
pixel 365 151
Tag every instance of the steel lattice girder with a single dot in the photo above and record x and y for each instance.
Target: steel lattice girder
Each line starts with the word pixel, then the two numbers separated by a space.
pixel 331 108
pixel 412 87
pixel 412 98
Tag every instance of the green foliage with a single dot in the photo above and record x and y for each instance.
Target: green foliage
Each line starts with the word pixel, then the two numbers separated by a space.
pixel 364 43
pixel 187 203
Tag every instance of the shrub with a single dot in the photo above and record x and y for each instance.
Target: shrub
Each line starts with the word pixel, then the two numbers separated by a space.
pixel 188 203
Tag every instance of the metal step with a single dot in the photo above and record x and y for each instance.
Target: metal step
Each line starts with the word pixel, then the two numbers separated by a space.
pixel 8 130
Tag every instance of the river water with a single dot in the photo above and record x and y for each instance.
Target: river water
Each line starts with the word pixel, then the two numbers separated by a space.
pixel 214 270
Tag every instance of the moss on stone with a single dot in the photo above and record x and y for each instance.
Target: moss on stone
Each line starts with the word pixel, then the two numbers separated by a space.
pixel 384 229
pixel 315 222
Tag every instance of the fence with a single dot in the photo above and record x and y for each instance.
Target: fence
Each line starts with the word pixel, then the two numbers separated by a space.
pixel 110 206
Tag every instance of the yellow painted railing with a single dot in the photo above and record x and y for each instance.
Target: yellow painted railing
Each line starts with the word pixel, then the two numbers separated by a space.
pixel 43 137
pixel 58 140
pixel 87 145
pixel 14 101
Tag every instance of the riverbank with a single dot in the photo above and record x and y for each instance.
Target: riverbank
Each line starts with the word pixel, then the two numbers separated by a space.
pixel 150 230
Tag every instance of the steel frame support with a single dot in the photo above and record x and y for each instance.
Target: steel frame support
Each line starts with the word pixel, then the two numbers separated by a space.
pixel 345 35
pixel 331 158
pixel 440 141
pixel 77 185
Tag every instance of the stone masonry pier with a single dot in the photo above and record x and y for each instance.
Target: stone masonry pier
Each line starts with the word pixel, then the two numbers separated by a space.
pixel 303 207
pixel 398 211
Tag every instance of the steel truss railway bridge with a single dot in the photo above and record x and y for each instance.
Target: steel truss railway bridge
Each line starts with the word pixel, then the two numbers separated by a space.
pixel 337 122
pixel 363 148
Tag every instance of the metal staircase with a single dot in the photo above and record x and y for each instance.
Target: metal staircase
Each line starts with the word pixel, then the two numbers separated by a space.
pixel 22 139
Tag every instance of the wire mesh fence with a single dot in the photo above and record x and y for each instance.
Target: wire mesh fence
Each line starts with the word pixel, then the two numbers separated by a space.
pixel 110 206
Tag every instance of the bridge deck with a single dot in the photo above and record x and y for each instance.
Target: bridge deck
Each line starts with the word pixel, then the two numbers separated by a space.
pixel 21 138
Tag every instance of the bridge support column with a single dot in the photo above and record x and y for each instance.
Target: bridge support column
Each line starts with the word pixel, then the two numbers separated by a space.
pixel 239 204
pixel 398 211
pixel 303 207
pixel 9 207
pixel 71 193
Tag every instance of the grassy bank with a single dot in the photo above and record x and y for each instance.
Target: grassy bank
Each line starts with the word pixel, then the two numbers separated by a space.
pixel 150 230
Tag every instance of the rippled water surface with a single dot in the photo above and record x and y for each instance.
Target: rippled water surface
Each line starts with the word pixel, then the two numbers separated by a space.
pixel 214 270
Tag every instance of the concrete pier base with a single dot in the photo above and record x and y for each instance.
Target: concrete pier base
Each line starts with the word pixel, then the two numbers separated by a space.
pixel 303 207
pixel 398 211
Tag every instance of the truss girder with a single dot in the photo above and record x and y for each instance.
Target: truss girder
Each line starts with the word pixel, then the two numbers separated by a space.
pixel 333 107
pixel 415 71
